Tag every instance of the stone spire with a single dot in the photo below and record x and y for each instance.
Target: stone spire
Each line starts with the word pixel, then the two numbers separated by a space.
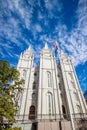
pixel 46 46
pixel 29 49
pixel 62 54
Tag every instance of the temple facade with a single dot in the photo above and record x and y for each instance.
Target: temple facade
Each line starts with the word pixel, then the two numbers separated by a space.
pixel 52 98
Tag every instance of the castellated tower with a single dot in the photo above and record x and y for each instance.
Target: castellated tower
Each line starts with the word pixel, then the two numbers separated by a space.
pixel 52 98
pixel 49 100
pixel 70 85
pixel 74 106
pixel 27 100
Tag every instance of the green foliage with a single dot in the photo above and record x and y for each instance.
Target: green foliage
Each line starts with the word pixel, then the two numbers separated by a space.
pixel 10 85
pixel 10 128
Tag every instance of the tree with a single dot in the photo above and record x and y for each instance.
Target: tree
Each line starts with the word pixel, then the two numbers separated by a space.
pixel 10 85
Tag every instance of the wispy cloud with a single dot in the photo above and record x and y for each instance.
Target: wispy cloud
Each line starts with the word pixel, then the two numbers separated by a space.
pixel 51 5
pixel 22 24
pixel 82 79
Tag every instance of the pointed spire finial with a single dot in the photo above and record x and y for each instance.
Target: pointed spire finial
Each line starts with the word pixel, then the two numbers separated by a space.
pixel 46 46
pixel 29 48
pixel 62 54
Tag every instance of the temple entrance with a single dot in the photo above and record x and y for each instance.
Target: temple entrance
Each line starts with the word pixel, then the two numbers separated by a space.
pixel 34 126
pixel 32 113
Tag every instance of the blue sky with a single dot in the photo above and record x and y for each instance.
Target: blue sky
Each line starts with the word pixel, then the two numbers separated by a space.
pixel 25 22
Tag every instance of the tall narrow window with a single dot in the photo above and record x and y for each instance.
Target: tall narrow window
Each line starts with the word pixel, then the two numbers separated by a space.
pixel 64 111
pixel 50 103
pixel 34 85
pixel 49 78
pixel 59 86
pixel 33 96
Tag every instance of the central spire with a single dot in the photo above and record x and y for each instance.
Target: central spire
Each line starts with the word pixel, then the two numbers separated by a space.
pixel 46 46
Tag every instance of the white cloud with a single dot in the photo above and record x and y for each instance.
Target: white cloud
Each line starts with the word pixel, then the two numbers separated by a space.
pixel 38 28
pixel 74 42
pixel 50 5
pixel 6 48
pixel 10 28
pixel 40 15
pixel 82 17
pixel 79 35
pixel 24 12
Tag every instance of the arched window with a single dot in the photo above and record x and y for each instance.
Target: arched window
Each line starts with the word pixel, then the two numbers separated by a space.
pixel 33 95
pixel 64 111
pixel 32 112
pixel 49 78
pixel 49 103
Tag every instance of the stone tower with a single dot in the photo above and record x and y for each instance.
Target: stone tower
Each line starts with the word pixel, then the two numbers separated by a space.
pixel 49 100
pixel 27 100
pixel 74 105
